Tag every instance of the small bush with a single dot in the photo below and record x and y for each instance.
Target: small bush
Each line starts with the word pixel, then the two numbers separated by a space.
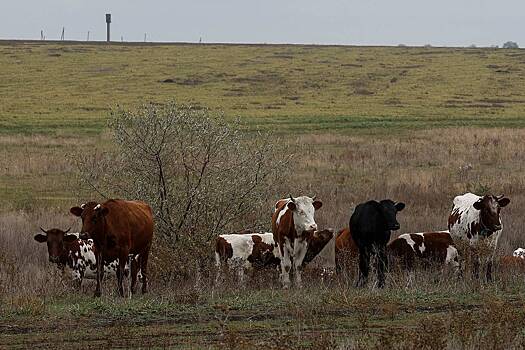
pixel 201 175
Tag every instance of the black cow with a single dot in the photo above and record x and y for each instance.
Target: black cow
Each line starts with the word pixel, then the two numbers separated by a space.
pixel 370 225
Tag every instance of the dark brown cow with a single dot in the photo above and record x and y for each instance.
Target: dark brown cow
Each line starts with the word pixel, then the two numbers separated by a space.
pixel 346 251
pixel 292 222
pixel 427 247
pixel 118 228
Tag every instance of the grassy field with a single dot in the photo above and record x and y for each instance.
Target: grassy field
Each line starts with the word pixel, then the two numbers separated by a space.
pixel 56 88
pixel 419 125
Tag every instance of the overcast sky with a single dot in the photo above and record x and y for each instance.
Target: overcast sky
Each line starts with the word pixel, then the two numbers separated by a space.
pixel 364 22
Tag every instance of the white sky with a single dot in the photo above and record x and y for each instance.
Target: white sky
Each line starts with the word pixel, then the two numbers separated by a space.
pixel 364 22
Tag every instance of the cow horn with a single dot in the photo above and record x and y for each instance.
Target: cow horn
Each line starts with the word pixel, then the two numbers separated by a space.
pixel 500 196
pixel 66 231
pixel 97 207
pixel 313 198
pixel 291 198
pixel 43 230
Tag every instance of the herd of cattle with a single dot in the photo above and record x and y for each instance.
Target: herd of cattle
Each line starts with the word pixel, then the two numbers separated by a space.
pixel 116 238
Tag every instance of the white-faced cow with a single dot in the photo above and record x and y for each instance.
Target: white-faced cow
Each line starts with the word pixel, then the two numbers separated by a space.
pixel 370 225
pixel 428 248
pixel 118 228
pixel 258 251
pixel 474 218
pixel 292 223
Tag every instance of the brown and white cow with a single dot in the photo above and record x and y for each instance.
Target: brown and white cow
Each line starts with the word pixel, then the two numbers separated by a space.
pixel 292 223
pixel 346 251
pixel 118 228
pixel 425 247
pixel 77 255
pixel 257 251
pixel 475 218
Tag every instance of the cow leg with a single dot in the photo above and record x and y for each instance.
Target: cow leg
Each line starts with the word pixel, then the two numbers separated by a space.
pixel 144 269
pixel 364 263
pixel 134 271
pixel 475 267
pixel 381 265
pixel 120 273
pixel 79 280
pixel 286 264
pixel 489 271
pixel 100 274
pixel 299 252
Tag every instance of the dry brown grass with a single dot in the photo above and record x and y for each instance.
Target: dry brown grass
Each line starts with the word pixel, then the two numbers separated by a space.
pixel 424 169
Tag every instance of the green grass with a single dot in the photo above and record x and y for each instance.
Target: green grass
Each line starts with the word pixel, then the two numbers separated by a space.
pixel 55 88
pixel 241 318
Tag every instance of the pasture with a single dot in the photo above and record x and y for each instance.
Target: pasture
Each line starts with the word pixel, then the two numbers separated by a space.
pixel 419 125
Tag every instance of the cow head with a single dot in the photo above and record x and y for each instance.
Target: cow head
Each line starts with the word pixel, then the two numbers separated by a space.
pixel 57 241
pixel 316 242
pixel 489 207
pixel 303 209
pixel 92 215
pixel 519 253
pixel 388 210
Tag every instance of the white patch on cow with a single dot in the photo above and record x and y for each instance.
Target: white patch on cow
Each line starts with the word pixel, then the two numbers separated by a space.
pixel 452 258
pixel 519 253
pixel 464 204
pixel 281 213
pixel 422 248
pixel 409 240
pixel 83 263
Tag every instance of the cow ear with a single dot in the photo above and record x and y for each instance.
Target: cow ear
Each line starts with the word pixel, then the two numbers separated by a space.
pixel 291 205
pixel 70 238
pixel 399 206
pixel 40 238
pixel 477 205
pixel 503 202
pixel 317 204
pixel 77 211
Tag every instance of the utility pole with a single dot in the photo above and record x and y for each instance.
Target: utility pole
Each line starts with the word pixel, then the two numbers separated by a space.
pixel 144 37
pixel 108 22
pixel 62 36
pixel 88 36
pixel 41 35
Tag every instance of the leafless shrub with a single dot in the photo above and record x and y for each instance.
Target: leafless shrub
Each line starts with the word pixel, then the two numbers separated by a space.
pixel 201 175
